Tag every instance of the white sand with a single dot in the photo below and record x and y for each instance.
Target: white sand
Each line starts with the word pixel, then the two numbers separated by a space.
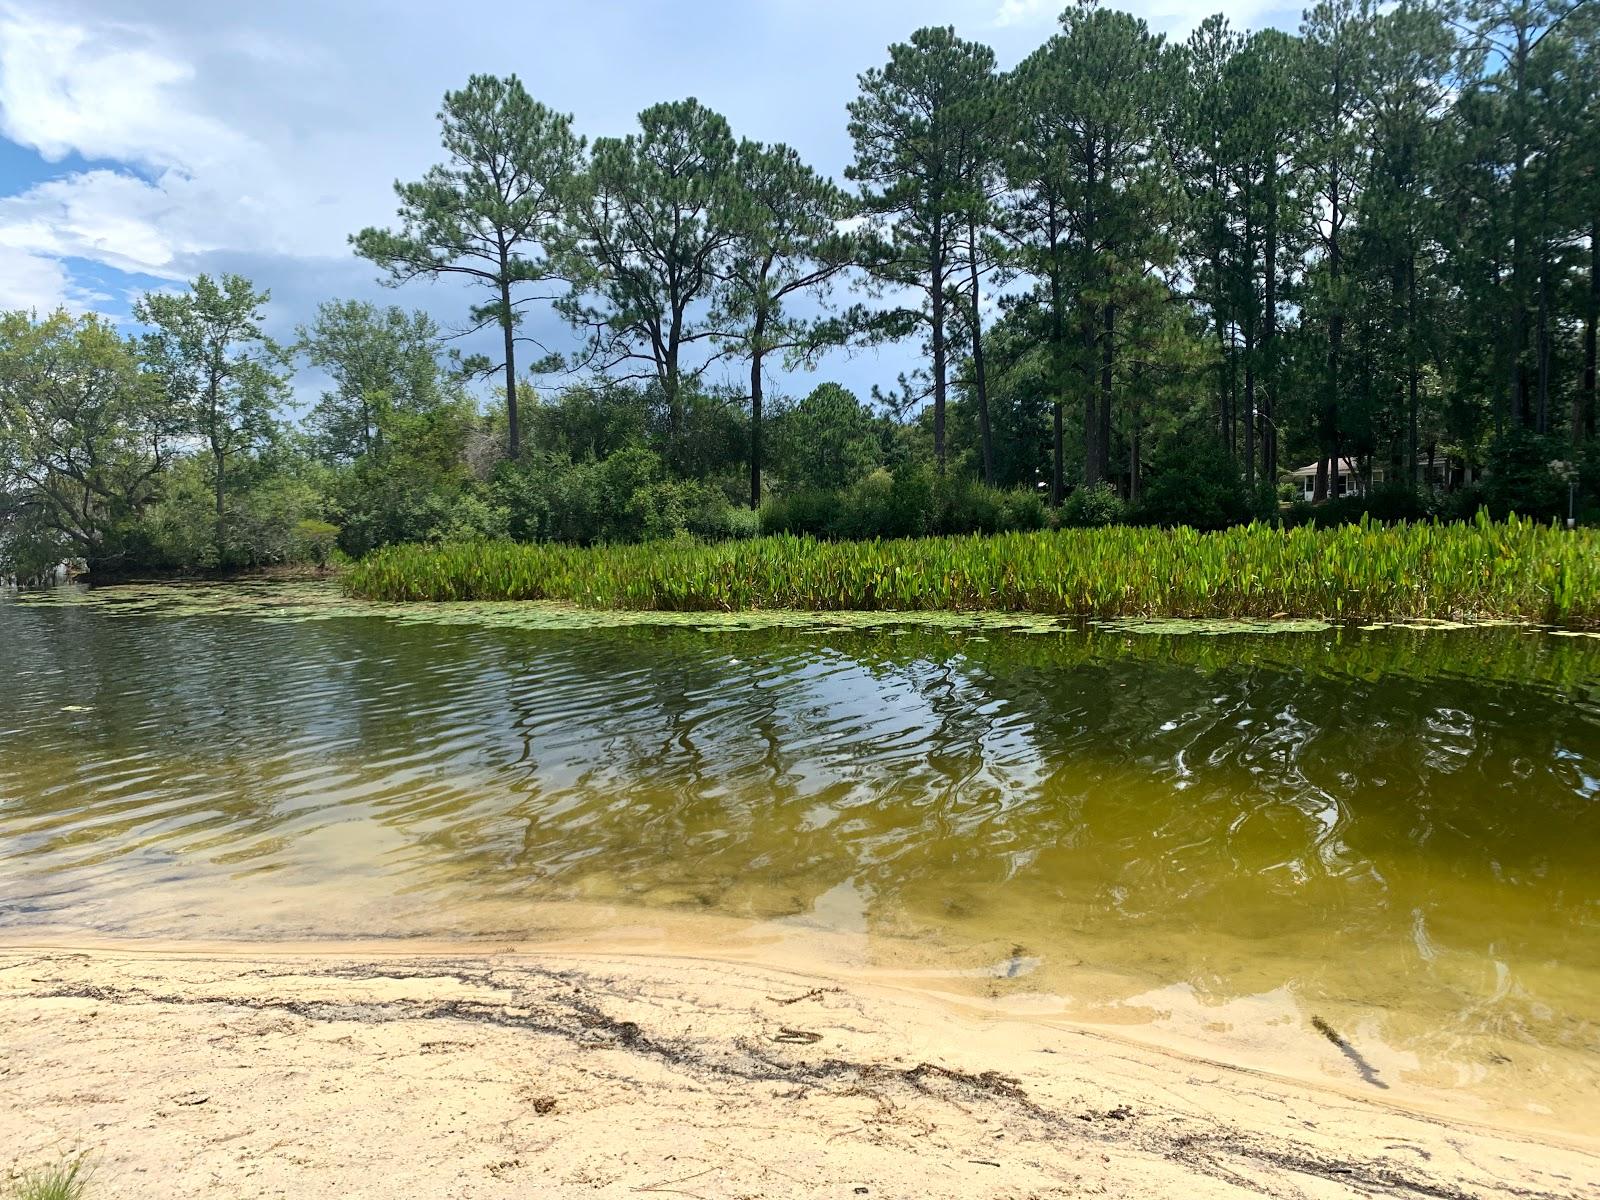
pixel 369 1074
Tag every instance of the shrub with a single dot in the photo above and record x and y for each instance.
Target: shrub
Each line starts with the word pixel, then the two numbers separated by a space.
pixel 908 505
pixel 1300 512
pixel 1341 510
pixel 1023 509
pixel 1092 507
pixel 1522 481
pixel 1396 501
pixel 906 502
pixel 1195 483
pixel 315 541
pixel 962 505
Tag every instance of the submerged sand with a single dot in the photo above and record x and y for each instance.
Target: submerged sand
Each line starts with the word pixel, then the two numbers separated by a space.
pixel 293 1073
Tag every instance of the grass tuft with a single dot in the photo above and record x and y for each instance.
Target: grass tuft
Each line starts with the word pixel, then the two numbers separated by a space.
pixel 68 1180
pixel 1514 570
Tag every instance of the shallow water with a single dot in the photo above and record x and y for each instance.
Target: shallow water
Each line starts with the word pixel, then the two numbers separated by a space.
pixel 1220 838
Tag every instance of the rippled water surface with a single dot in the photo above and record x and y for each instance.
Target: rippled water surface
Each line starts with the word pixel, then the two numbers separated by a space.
pixel 1394 831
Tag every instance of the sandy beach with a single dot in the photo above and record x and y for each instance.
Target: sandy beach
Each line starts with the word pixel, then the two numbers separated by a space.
pixel 363 1073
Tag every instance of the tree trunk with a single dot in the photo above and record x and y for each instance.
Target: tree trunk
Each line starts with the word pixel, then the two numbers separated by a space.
pixel 1542 351
pixel 1223 419
pixel 1516 384
pixel 757 353
pixel 1269 333
pixel 1412 371
pixel 219 454
pixel 1135 430
pixel 1091 409
pixel 1107 360
pixel 1584 419
pixel 1494 289
pixel 219 460
pixel 1224 383
pixel 1328 418
pixel 1058 372
pixel 937 298
pixel 984 436
pixel 1135 464
pixel 514 430
pixel 1057 477
pixel 671 384
pixel 1248 329
pixel 1249 411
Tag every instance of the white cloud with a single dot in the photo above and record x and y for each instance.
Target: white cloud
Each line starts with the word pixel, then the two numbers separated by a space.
pixel 110 92
pixel 30 280
pixel 37 282
pixel 103 216
pixel 115 92
pixel 1026 12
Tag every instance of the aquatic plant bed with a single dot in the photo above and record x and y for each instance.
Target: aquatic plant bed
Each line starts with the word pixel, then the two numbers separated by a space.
pixel 1516 570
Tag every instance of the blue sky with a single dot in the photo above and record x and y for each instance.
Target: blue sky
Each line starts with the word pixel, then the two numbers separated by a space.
pixel 145 141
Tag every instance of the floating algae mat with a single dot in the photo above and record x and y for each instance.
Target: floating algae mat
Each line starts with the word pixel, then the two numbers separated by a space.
pixel 1215 833
pixel 323 600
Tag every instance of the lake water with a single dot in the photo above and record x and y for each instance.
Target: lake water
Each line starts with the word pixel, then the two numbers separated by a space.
pixel 1232 842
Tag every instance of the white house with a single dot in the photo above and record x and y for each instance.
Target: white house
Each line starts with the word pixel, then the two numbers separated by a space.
pixel 1351 483
pixel 1348 482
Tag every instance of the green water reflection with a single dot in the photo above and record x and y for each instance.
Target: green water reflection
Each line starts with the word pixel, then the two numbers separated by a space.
pixel 1397 827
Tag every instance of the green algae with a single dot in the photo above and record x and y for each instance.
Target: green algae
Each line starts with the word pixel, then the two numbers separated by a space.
pixel 322 600
pixel 1212 627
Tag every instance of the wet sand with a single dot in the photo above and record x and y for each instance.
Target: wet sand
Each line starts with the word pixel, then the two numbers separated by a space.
pixel 371 1072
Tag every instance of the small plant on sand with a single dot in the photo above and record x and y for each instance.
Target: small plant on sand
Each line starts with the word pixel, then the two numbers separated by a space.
pixel 67 1180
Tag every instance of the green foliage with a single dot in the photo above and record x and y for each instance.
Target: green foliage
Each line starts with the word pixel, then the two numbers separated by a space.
pixel 315 541
pixel 84 434
pixel 908 502
pixel 1518 569
pixel 787 242
pixel 628 497
pixel 827 440
pixel 272 521
pixel 1524 479
pixel 923 131
pixel 385 367
pixel 1194 484
pixel 491 213
pixel 1092 507
pixel 1161 272
pixel 654 220
pixel 220 374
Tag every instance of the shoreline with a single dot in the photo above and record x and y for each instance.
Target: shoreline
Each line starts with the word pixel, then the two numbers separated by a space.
pixel 465 1070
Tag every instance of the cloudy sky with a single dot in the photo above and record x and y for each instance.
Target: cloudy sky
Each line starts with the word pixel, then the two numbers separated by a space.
pixel 145 141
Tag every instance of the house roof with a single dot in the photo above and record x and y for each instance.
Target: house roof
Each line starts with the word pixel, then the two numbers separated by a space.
pixel 1347 466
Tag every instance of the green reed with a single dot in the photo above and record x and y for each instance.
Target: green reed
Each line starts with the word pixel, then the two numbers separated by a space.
pixel 1517 569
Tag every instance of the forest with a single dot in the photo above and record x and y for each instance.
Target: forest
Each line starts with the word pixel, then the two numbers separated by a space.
pixel 1144 281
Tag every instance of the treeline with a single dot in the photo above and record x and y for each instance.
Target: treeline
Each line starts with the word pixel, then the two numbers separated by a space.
pixel 1147 278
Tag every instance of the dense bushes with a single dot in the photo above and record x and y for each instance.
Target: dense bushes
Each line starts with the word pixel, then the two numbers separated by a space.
pixel 1092 507
pixel 1194 483
pixel 628 497
pixel 907 502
